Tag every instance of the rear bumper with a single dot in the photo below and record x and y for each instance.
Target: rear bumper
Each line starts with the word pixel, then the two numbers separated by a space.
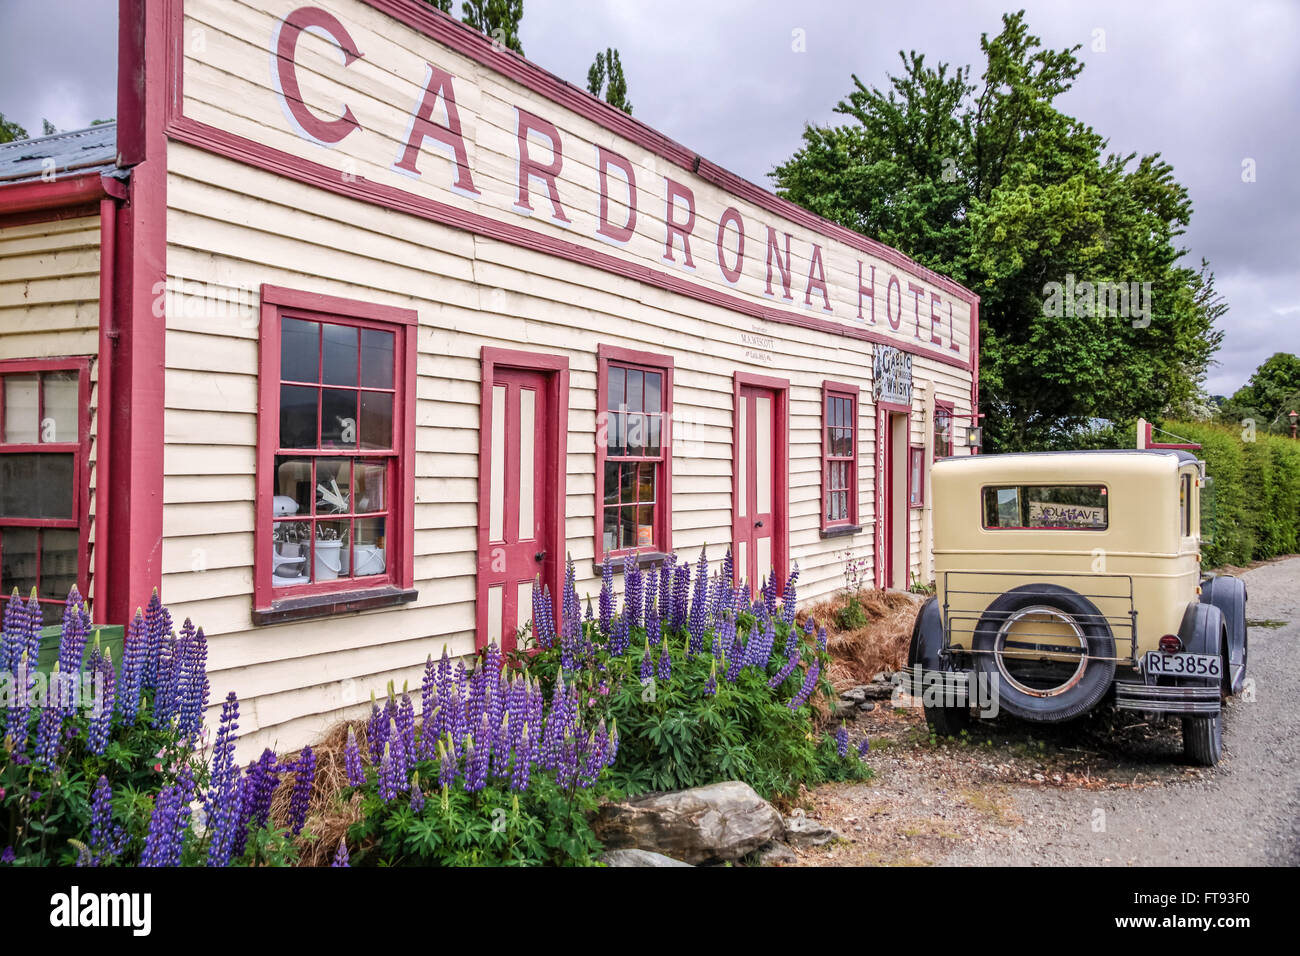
pixel 1200 700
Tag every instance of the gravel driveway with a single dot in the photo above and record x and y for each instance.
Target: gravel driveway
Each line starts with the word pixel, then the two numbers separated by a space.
pixel 1109 790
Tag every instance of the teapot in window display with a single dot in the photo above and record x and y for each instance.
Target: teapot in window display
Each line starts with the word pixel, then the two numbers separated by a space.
pixel 288 545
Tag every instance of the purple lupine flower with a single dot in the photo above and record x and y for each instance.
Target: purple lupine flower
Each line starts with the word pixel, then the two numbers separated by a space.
pixel 101 718
pixel 570 620
pixel 653 628
pixel 443 722
pixel 155 630
pixel 647 665
pixel 699 613
pixel 7 856
pixel 664 671
pixel 621 636
pixel 446 764
pixel 735 659
pixel 49 729
pixel 72 649
pixel 681 593
pixel 193 687
pixel 612 753
pixel 390 781
pixel 728 580
pixel 162 845
pixel 809 682
pixel 789 597
pixel 107 839
pixel 606 617
pixel 417 794
pixel 543 615
pixel 864 747
pixel 135 649
pixel 711 685
pixel 352 761
pixel 786 670
pixel 376 730
pixel 758 651
pixel 341 855
pixel 12 633
pixel 842 741
pixel 521 765
pixel 665 603
pixel 633 593
pixel 593 759
pixel 428 708
pixel 821 639
pixel 166 680
pixel 224 799
pixel 19 714
pixel 304 778
pixel 405 724
pixel 260 781
pixel 769 596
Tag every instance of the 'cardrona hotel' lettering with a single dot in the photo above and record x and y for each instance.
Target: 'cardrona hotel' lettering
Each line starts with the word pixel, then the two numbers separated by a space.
pixel 435 121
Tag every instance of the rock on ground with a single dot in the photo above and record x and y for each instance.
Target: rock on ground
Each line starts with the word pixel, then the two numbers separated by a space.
pixel 639 858
pixel 723 821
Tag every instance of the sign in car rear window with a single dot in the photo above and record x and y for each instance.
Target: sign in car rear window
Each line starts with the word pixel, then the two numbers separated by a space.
pixel 1046 507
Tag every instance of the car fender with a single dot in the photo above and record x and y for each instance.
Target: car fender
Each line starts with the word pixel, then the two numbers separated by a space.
pixel 1229 595
pixel 1202 633
pixel 926 648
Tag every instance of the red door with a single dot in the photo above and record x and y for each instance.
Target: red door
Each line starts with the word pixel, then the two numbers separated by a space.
pixel 756 509
pixel 516 512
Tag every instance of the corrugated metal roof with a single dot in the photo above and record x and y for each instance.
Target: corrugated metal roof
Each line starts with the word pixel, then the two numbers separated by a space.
pixel 78 151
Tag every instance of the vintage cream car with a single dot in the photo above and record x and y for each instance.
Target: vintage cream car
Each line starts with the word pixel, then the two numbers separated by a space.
pixel 1069 579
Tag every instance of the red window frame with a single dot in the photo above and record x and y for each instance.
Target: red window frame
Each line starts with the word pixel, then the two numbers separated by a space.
pixel 941 408
pixel 80 451
pixel 277 304
pixel 607 355
pixel 839 391
pixel 916 476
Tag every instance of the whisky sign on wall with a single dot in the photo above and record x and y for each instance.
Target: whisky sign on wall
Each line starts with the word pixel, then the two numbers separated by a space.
pixel 892 375
pixel 392 100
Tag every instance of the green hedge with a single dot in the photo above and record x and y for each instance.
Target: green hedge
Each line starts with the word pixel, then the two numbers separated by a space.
pixel 1253 512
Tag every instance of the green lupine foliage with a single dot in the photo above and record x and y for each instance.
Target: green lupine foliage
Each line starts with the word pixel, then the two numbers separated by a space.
pixel 990 183
pixel 673 735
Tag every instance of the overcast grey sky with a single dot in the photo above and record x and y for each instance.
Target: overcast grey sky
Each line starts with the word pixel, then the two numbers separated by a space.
pixel 1208 84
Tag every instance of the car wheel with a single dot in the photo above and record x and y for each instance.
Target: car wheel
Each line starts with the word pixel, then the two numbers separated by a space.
pixel 1203 739
pixel 1046 651
pixel 947 721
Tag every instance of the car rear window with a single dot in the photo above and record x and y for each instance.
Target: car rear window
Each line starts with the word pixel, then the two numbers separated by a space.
pixel 1046 507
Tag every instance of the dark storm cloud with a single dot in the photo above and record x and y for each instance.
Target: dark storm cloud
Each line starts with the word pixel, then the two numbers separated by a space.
pixel 1208 85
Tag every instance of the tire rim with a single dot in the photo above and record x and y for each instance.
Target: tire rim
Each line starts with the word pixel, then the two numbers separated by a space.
pixel 1059 616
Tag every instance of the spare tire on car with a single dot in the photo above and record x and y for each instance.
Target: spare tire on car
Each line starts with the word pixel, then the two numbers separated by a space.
pixel 1046 651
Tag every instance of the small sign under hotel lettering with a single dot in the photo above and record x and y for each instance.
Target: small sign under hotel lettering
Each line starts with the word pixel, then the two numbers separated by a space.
pixel 892 375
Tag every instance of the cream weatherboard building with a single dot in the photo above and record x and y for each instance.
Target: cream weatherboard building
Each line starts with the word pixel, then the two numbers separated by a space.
pixel 352 327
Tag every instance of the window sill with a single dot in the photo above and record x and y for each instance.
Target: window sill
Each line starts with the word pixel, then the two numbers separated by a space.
pixel 330 605
pixel 643 560
pixel 841 531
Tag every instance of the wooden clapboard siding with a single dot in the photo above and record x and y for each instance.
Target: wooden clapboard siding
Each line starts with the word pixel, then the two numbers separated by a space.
pixel 49 289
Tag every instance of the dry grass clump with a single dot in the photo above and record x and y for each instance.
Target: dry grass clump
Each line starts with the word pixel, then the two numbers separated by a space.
pixel 328 815
pixel 859 654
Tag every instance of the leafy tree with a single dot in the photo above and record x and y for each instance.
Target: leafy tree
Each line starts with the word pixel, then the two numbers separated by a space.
pixel 9 132
pixel 498 19
pixel 443 5
pixel 608 65
pixel 1271 393
pixel 991 183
